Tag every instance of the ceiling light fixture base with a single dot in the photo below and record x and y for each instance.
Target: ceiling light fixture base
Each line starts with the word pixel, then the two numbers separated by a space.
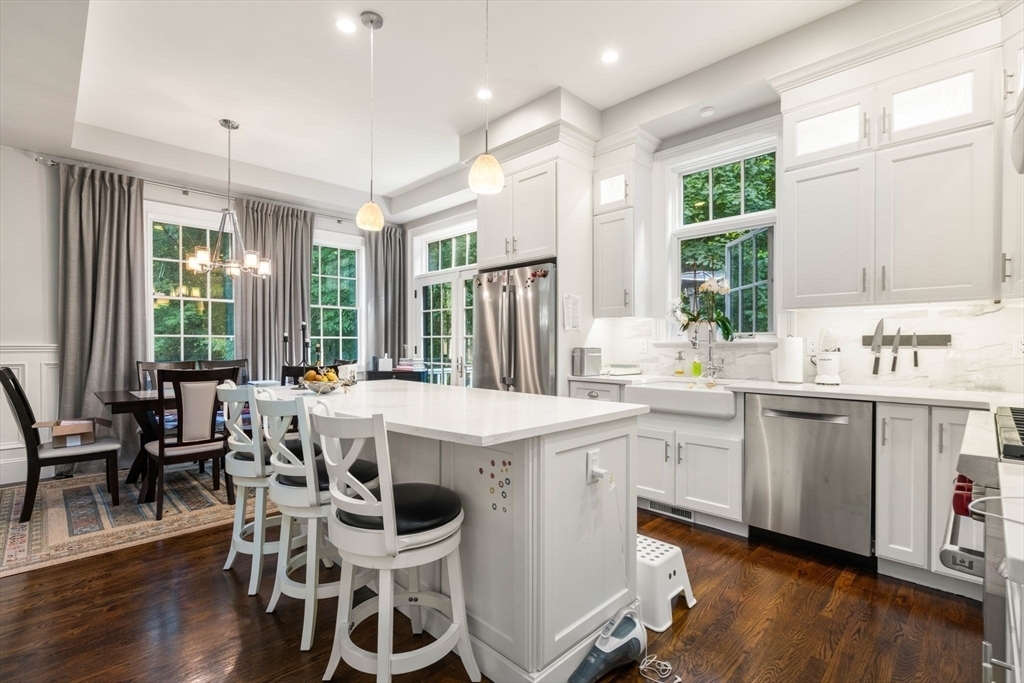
pixel 371 20
pixel 229 124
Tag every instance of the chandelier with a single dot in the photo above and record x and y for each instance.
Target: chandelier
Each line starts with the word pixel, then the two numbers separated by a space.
pixel 203 260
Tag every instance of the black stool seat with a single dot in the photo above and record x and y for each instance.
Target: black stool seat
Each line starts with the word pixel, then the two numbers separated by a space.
pixel 418 508
pixel 294 445
pixel 363 470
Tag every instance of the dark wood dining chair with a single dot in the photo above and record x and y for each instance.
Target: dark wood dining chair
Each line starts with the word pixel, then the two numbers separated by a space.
pixel 295 373
pixel 341 362
pixel 40 455
pixel 240 364
pixel 147 370
pixel 197 438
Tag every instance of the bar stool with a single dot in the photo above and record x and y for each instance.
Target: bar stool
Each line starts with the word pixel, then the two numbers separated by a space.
pixel 298 486
pixel 247 472
pixel 406 527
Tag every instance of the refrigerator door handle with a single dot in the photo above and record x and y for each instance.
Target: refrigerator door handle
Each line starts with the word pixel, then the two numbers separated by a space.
pixel 502 333
pixel 512 332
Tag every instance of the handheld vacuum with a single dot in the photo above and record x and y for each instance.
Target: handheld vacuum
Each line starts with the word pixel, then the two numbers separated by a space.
pixel 623 640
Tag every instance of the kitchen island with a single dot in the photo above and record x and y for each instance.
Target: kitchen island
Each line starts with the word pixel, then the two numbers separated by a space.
pixel 548 555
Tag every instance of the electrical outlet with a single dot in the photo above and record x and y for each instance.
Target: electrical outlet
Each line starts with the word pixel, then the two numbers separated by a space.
pixel 644 348
pixel 812 347
pixel 1017 350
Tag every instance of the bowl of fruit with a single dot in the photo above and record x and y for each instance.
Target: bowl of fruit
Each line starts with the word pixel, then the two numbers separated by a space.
pixel 324 381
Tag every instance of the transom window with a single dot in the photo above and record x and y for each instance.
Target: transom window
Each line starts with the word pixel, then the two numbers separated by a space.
pixel 733 189
pixel 193 313
pixel 451 252
pixel 334 314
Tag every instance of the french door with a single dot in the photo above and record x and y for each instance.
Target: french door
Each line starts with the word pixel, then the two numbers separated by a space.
pixel 446 326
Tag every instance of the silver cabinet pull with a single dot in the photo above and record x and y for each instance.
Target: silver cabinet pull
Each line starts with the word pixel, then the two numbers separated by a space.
pixel 867 125
pixel 515 245
pixel 812 417
pixel 593 394
pixel 885 423
pixel 679 453
pixel 885 126
pixel 941 430
pixel 625 297
pixel 625 191
pixel 1007 83
pixel 883 278
pixel 864 279
pixel 1007 261
pixel 666 451
pixel 506 246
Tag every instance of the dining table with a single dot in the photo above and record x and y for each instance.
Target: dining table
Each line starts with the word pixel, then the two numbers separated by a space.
pixel 143 406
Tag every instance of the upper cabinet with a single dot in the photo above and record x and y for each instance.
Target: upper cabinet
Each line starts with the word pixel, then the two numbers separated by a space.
pixel 1010 266
pixel 614 282
pixel 1012 81
pixel 519 223
pixel 840 126
pixel 613 188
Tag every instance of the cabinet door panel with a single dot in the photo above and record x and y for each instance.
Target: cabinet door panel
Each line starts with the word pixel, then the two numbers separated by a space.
pixel 944 98
pixel 1013 70
pixel 533 213
pixel 494 228
pixel 1010 267
pixel 613 188
pixel 947 434
pixel 655 467
pixel 827 130
pixel 934 220
pixel 613 264
pixel 709 475
pixel 901 483
pixel 827 230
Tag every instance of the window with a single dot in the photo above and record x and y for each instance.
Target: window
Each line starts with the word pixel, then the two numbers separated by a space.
pixel 334 315
pixel 451 252
pixel 193 313
pixel 733 189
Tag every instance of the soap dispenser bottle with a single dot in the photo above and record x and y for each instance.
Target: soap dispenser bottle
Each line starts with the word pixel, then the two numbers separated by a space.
pixel 680 365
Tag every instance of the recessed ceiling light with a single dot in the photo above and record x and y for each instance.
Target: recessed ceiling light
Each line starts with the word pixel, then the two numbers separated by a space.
pixel 345 26
pixel 610 56
pixel 483 94
pixel 707 111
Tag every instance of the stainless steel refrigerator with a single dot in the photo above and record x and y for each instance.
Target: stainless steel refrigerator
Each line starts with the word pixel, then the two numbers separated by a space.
pixel 514 321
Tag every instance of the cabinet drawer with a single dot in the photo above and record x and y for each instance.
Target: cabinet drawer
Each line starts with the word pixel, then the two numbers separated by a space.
pixel 595 391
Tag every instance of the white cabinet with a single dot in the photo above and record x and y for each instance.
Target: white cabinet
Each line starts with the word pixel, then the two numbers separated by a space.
pixel 709 474
pixel 943 98
pixel 655 468
pixel 901 483
pixel 947 434
pixel 613 188
pixel 595 391
pixel 828 235
pixel 840 126
pixel 613 264
pixel 934 224
pixel 519 223
pixel 1012 81
pixel 1010 267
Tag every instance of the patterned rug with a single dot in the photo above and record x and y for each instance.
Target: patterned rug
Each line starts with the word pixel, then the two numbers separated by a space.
pixel 73 518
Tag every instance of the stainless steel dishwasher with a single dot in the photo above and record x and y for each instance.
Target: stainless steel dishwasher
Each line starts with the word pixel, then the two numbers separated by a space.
pixel 807 469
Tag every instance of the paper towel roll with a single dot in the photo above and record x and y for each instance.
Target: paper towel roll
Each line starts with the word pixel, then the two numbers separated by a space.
pixel 791 360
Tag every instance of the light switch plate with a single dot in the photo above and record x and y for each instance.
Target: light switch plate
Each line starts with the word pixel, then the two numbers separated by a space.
pixel 812 347
pixel 644 348
pixel 1017 350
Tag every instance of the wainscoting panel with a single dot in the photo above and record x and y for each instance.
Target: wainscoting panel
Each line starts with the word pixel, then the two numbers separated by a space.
pixel 38 371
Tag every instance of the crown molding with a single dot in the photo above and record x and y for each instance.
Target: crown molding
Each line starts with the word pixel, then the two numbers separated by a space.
pixel 559 131
pixel 944 24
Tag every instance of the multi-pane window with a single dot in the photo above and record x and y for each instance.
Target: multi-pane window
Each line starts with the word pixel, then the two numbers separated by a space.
pixel 452 252
pixel 467 343
pixel 334 314
pixel 744 259
pixel 733 189
pixel 193 313
pixel 437 331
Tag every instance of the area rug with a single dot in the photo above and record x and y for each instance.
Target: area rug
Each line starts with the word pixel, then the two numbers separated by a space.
pixel 73 518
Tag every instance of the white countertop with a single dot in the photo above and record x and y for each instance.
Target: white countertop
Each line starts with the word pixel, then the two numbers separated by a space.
pixel 478 417
pixel 946 398
pixel 1011 486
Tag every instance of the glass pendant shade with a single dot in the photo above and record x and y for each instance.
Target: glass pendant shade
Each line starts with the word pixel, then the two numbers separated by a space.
pixel 203 256
pixel 251 260
pixel 192 264
pixel 370 217
pixel 264 267
pixel 486 176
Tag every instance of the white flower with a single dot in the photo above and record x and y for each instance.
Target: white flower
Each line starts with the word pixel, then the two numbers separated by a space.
pixel 723 286
pixel 710 285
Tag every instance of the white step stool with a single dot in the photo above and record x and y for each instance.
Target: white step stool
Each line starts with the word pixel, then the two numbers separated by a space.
pixel 660 576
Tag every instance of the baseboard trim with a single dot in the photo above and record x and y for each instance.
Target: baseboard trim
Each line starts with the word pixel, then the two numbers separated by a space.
pixel 923 577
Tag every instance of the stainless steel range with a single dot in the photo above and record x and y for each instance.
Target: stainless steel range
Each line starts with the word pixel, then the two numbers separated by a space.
pixel 988 442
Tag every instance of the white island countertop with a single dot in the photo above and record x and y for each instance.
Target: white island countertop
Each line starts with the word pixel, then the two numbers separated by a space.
pixel 477 417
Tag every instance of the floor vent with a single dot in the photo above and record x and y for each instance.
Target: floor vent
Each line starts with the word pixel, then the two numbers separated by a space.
pixel 670 510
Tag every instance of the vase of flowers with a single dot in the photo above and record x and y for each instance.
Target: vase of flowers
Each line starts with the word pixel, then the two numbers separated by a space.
pixel 705 304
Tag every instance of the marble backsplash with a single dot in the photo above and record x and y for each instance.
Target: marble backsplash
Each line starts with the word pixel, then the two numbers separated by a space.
pixel 982 332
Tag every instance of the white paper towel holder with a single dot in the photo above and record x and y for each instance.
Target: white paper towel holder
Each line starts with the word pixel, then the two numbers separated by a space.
pixel 790 365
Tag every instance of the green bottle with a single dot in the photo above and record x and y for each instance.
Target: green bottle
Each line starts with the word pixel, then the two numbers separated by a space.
pixel 696 368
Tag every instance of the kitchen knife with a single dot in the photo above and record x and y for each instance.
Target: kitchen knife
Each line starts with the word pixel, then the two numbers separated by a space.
pixel 913 343
pixel 895 348
pixel 876 345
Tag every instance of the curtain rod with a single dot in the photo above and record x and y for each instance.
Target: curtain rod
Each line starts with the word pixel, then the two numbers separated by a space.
pixel 45 161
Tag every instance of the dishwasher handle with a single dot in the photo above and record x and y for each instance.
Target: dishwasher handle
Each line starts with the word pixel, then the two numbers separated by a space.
pixel 810 417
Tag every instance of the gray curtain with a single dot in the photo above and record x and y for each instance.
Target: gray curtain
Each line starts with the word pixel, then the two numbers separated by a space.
pixel 102 294
pixel 386 285
pixel 266 309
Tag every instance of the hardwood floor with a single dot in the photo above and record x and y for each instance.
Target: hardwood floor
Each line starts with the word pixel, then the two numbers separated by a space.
pixel 167 612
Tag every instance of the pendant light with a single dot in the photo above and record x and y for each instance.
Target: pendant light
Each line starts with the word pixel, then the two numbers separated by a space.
pixel 486 176
pixel 203 261
pixel 370 217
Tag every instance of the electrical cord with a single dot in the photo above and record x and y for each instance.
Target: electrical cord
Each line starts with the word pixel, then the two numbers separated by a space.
pixel 970 506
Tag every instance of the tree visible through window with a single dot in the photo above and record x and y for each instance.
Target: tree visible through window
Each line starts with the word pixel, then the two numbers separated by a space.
pixel 334 314
pixel 732 189
pixel 452 252
pixel 193 313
